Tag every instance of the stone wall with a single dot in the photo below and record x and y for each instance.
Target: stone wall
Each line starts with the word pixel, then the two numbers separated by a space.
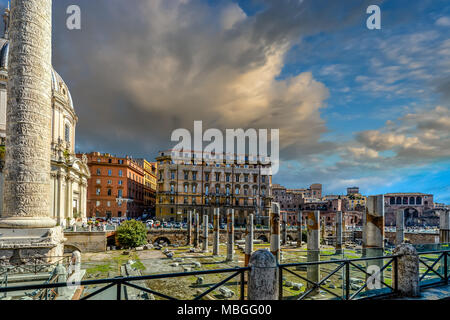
pixel 85 241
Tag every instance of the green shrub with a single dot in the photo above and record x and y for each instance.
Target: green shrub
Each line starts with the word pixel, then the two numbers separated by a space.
pixel 132 234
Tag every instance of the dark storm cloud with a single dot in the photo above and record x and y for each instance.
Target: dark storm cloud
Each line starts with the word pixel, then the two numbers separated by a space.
pixel 140 69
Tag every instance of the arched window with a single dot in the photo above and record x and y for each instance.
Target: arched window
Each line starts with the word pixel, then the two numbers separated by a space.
pixel 412 200
pixel 405 200
pixel 419 200
pixel 399 200
pixel 392 200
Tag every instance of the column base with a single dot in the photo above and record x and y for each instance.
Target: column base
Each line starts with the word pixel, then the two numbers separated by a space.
pixel 27 222
pixel 18 246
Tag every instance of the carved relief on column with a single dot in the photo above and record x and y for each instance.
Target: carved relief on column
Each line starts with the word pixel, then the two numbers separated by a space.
pixel 27 188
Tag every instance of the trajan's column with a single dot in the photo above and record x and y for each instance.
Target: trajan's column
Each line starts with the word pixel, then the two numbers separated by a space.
pixel 25 225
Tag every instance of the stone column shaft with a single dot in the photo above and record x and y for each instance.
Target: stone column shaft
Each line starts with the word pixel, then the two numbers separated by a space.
pixel 275 231
pixel 313 246
pixel 27 184
pixel 196 230
pixel 338 232
pixel 299 228
pixel 284 229
pixel 248 239
pixel 205 233
pixel 189 228
pixel 230 234
pixel 216 236
pixel 400 227
pixel 375 231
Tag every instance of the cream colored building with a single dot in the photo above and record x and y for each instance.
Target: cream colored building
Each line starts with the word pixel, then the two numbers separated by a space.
pixel 68 173
pixel 204 185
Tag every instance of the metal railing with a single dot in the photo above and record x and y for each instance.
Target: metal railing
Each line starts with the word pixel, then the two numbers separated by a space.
pixel 429 260
pixel 345 266
pixel 120 282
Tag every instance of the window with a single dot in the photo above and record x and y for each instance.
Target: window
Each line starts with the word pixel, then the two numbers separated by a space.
pixel 194 176
pixel 217 189
pixel 217 176
pixel 120 182
pixel 206 189
pixel 228 178
pixel 207 176
pixel 237 177
pixel 186 175
pixel 237 190
pixel 419 200
pixel 392 200
pixel 185 188
pixel 228 190
pixel 119 193
pixel 172 175
pixel 109 182
pixel 194 188
pixel 99 172
pixel 119 214
pixel 97 203
pixel 108 203
pixel 98 181
pixel 263 179
pixel 110 172
pixel 67 133
pixel 172 188
pixel 120 173
pixel 97 191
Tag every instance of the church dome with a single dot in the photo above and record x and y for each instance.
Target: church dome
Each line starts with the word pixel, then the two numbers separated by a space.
pixel 59 87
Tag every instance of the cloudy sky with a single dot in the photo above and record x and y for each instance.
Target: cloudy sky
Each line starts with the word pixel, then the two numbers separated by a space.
pixel 355 107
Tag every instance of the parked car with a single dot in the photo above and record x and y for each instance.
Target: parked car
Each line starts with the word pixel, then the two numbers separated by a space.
pixel 177 225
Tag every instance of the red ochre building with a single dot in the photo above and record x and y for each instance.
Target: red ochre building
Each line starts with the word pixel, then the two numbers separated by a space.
pixel 116 187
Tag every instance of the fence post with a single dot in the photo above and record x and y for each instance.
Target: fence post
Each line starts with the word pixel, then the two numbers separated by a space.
pixel 406 275
pixel 262 280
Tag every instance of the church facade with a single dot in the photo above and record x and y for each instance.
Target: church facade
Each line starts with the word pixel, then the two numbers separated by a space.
pixel 69 174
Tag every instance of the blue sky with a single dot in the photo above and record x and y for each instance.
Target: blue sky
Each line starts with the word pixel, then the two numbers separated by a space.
pixel 354 106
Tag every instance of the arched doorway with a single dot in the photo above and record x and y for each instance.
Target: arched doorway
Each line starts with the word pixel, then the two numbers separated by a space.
pixel 411 217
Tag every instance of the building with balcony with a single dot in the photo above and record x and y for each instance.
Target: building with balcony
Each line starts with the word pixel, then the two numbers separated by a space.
pixel 200 181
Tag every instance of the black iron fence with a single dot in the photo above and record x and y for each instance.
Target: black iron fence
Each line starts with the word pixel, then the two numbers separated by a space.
pixel 341 279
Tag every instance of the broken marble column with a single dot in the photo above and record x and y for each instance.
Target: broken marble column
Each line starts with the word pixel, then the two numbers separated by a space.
pixel 248 239
pixel 189 228
pixel 408 270
pixel 230 234
pixel 313 248
pixel 338 232
pixel 263 280
pixel 299 228
pixel 26 226
pixel 400 227
pixel 444 226
pixel 275 231
pixel 375 232
pixel 196 229
pixel 216 235
pixel 205 233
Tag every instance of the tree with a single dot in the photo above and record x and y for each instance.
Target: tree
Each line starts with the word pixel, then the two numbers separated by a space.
pixel 132 234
